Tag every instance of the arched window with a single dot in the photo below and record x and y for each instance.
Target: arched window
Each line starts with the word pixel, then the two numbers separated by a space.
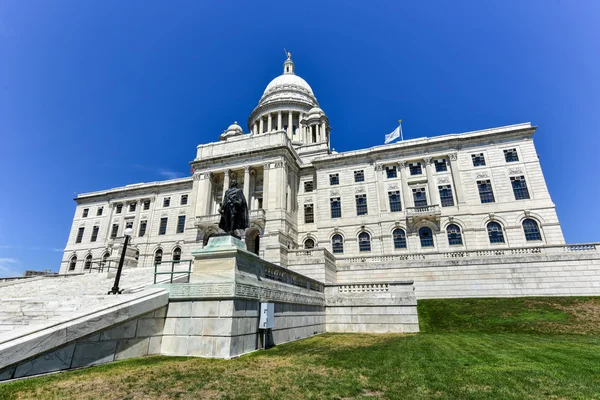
pixel 88 262
pixel 426 237
pixel 364 242
pixel 399 238
pixel 72 263
pixel 177 254
pixel 454 235
pixel 158 256
pixel 309 244
pixel 532 230
pixel 337 244
pixel 495 232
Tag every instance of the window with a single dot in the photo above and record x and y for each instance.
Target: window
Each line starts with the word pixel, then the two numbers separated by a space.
pixel 519 187
pixel 399 238
pixel 478 160
pixel 532 230
pixel 146 205
pixel 114 231
pixel 132 207
pixel 337 244
pixel 72 263
pixel 143 225
pixel 129 224
pixel 137 255
pixel 260 202
pixel 119 208
pixel 420 197
pixel 95 230
pixel 166 202
pixel 308 186
pixel 309 214
pixel 105 258
pixel 415 168
pixel 334 179
pixel 184 199
pixel 180 224
pixel 79 235
pixel 85 212
pixel 485 191
pixel 454 235
pixel 309 243
pixel 361 204
pixel 88 262
pixel 391 172
pixel 158 256
pixel 395 203
pixel 359 176
pixel 495 232
pixel 99 211
pixel 177 254
pixel 163 226
pixel 426 237
pixel 446 196
pixel 364 242
pixel 336 207
pixel 510 155
pixel 440 165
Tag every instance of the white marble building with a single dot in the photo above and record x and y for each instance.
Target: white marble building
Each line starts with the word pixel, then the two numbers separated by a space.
pixel 462 192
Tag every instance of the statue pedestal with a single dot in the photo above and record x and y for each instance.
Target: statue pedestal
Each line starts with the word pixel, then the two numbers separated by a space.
pixel 223 242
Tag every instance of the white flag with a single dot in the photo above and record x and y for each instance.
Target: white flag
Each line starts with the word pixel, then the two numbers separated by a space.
pixel 393 136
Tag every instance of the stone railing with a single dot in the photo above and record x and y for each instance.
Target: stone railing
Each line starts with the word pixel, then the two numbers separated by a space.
pixel 364 287
pixel 279 274
pixel 301 255
pixel 587 247
pixel 423 210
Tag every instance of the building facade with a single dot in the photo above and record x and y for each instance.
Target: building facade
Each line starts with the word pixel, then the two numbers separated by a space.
pixel 481 190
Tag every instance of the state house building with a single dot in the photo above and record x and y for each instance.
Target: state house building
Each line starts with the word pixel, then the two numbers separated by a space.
pixel 476 191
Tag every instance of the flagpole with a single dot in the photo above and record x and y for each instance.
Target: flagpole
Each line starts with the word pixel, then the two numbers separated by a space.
pixel 401 134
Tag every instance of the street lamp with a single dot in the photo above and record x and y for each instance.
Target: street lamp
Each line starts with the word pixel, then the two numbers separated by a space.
pixel 115 288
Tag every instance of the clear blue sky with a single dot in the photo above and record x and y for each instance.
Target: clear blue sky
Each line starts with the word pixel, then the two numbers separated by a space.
pixel 98 94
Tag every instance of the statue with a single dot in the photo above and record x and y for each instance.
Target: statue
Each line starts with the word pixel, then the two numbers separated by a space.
pixel 234 210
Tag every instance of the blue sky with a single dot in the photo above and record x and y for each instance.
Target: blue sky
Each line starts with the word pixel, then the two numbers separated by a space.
pixel 98 94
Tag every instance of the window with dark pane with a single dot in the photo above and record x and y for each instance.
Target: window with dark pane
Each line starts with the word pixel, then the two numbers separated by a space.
pixel 395 202
pixel 99 211
pixel 399 237
pixel 166 202
pixel 446 196
pixel 391 172
pixel 309 243
pixel 441 165
pixel 337 244
pixel 519 187
pixel 88 262
pixel 180 223
pixel 184 199
pixel 359 176
pixel 72 263
pixel 162 229
pixel 308 186
pixel 119 208
pixel 361 204
pixel 495 232
pixel 85 212
pixel 510 155
pixel 177 254
pixel 420 197
pixel 454 235
pixel 146 205
pixel 478 160
pixel 95 230
pixel 426 237
pixel 129 224
pixel 309 214
pixel 334 179
pixel 114 231
pixel 158 256
pixel 143 225
pixel 415 168
pixel 532 230
pixel 364 241
pixel 132 207
pixel 486 194
pixel 336 207
pixel 79 237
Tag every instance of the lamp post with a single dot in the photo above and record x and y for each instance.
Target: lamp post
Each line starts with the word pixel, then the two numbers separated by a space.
pixel 115 288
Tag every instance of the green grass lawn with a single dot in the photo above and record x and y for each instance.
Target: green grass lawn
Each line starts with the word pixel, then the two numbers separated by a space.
pixel 529 348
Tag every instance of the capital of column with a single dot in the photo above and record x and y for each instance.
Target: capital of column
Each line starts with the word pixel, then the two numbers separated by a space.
pixel 427 160
pixel 402 164
pixel 378 167
pixel 453 156
pixel 247 169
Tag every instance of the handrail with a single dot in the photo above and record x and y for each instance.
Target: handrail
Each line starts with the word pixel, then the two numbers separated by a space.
pixel 172 271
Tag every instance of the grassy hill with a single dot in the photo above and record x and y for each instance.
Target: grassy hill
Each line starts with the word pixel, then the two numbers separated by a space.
pixel 526 348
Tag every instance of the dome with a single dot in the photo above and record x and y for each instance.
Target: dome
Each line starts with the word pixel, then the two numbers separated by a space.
pixel 235 127
pixel 285 81
pixel 315 110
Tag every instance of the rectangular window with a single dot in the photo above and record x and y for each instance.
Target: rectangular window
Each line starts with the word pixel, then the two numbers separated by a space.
pixel 260 202
pixel 359 176
pixel 119 208
pixel 163 226
pixel 132 207
pixel 334 179
pixel 308 186
pixel 146 205
pixel 391 172
pixel 85 212
pixel 99 211
pixel 446 196
pixel 485 191
pixel 95 230
pixel 309 214
pixel 395 203
pixel 510 155
pixel 143 225
pixel 114 231
pixel 79 235
pixel 420 197
pixel 478 160
pixel 361 204
pixel 180 223
pixel 128 224
pixel 519 187
pixel 441 165
pixel 336 207
pixel 184 199
pixel 166 202
pixel 415 168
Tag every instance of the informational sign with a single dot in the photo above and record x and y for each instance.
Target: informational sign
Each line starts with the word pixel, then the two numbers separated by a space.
pixel 267 316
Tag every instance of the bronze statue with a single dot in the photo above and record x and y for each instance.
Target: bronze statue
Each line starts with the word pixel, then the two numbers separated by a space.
pixel 234 210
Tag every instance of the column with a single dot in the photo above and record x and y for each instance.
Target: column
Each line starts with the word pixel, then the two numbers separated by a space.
pixel 406 193
pixel 203 193
pixel 266 173
pixel 247 182
pixel 381 192
pixel 279 122
pixel 290 132
pixel 261 125
pixel 323 132
pixel 269 123
pixel 255 128
pixel 458 189
pixel 226 183
pixel 433 192
pixel 252 199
